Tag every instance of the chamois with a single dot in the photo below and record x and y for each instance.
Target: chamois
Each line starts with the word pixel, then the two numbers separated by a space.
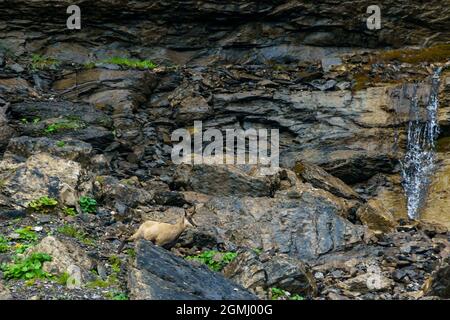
pixel 160 233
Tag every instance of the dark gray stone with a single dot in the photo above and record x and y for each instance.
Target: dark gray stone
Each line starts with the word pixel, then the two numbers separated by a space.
pixel 159 275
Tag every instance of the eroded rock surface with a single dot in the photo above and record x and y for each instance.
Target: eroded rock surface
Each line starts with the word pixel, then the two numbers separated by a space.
pixel 330 224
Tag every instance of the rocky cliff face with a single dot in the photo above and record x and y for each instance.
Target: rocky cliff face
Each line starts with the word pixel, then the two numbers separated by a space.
pixel 89 113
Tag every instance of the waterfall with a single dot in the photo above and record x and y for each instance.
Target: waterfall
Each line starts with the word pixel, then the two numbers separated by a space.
pixel 418 163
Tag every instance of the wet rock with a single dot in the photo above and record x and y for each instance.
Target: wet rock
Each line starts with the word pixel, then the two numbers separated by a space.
pixel 157 274
pixel 438 199
pixel 66 257
pixel 253 270
pixel 376 217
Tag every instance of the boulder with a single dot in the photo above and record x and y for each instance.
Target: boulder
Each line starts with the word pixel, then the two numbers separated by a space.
pixel 40 175
pixel 376 217
pixel 66 257
pixel 367 282
pixel 120 193
pixel 304 226
pixel 157 274
pixel 253 270
pixel 319 178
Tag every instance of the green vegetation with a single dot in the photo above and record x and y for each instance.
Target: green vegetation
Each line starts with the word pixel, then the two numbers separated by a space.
pixel 4 246
pixel 43 204
pixel 115 295
pixel 34 120
pixel 131 252
pixel 115 263
pixel 39 62
pixel 280 294
pixel 98 283
pixel 20 248
pixel 131 63
pixel 27 268
pixel 60 144
pixel 62 279
pixel 75 233
pixel 69 211
pixel 214 259
pixel 66 124
pixel 87 204
pixel 26 234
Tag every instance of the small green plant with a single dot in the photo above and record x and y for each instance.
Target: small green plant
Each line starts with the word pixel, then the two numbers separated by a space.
pixel 73 232
pixel 43 204
pixel 27 268
pixel 20 248
pixel 296 297
pixel 26 234
pixel 87 204
pixel 115 263
pixel 280 294
pixel 214 259
pixel 39 62
pixel 131 252
pixel 118 295
pixel 62 278
pixel 60 144
pixel 98 283
pixel 69 211
pixel 258 251
pixel 67 124
pixel 131 63
pixel 4 246
pixel 34 120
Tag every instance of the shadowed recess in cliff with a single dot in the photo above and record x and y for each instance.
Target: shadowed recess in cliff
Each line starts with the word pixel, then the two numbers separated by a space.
pixel 419 160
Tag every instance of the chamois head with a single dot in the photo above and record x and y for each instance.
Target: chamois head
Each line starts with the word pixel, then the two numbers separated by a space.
pixel 187 219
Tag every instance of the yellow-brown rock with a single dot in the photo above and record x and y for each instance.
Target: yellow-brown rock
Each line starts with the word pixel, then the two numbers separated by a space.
pixel 376 217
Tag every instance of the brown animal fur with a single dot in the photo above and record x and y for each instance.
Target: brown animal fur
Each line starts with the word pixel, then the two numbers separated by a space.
pixel 160 233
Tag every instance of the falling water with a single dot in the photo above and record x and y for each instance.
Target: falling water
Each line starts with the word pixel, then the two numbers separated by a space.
pixel 418 163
